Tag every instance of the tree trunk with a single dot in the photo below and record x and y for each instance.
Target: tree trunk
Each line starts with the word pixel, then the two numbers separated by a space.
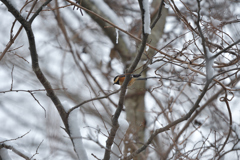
pixel 135 102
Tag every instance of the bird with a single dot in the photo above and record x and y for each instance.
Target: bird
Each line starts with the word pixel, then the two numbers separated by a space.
pixel 120 78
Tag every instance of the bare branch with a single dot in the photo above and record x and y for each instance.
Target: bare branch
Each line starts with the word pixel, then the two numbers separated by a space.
pixel 12 39
pixel 15 150
pixel 37 149
pixel 159 14
pixel 38 11
pixel 90 100
pixel 38 103
pixel 167 127
pixel 15 138
pixel 225 49
pixel 35 65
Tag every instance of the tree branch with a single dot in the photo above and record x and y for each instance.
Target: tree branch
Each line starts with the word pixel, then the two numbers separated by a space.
pixel 15 151
pixel 167 127
pixel 35 66
pixel 90 100
pixel 38 11
pixel 159 14
pixel 123 92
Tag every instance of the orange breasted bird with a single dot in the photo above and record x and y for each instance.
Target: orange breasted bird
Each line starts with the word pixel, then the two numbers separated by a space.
pixel 120 78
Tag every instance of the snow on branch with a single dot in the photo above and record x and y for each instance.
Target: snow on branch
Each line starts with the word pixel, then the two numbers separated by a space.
pixel 209 65
pixel 4 154
pixel 117 35
pixel 118 145
pixel 4 147
pixel 209 58
pixel 76 135
pixel 146 20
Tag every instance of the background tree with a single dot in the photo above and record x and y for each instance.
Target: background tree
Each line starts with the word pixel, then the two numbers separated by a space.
pixel 58 60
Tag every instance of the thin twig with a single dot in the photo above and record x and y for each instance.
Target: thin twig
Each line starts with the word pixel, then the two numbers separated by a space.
pixel 225 49
pixel 12 39
pixel 37 149
pixel 39 103
pixel 16 138
pixel 225 99
pixel 131 35
pixel 90 100
pixel 167 127
pixel 39 10
pixel 37 90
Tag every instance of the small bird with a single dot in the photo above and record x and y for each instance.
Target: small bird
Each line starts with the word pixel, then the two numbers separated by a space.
pixel 120 78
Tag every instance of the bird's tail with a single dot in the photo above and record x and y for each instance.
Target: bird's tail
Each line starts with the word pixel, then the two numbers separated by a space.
pixel 146 78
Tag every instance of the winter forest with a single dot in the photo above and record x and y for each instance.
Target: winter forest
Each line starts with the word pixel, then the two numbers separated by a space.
pixel 59 60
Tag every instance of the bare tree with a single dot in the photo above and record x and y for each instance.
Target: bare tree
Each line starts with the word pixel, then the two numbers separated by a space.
pixel 59 58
